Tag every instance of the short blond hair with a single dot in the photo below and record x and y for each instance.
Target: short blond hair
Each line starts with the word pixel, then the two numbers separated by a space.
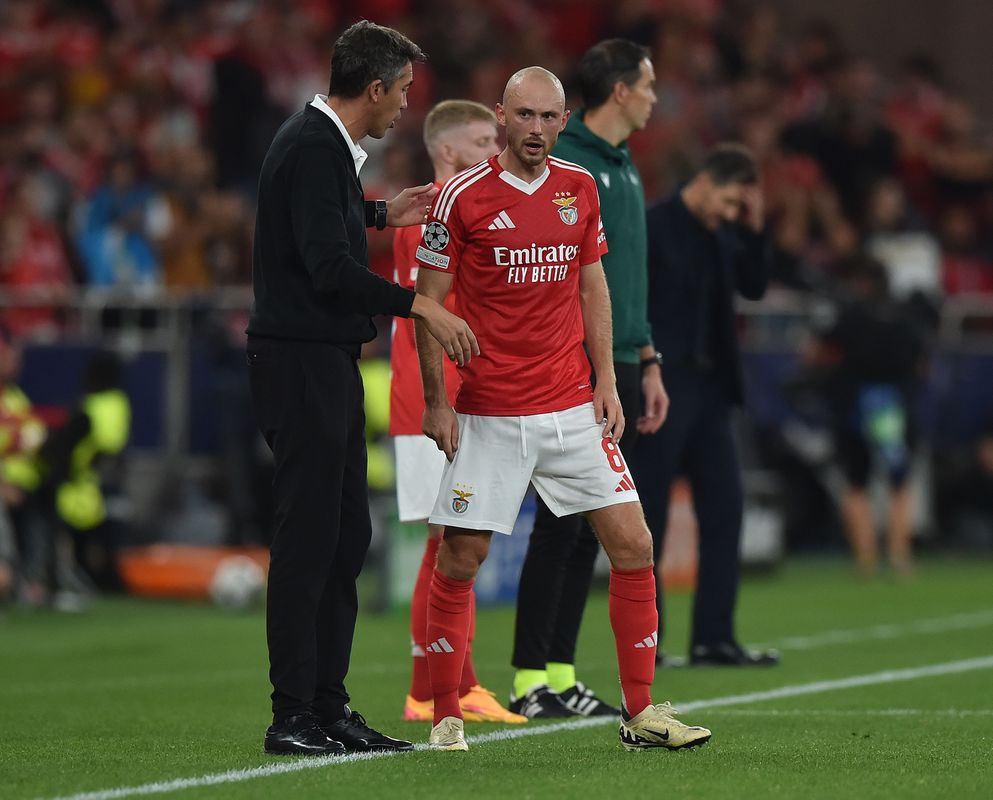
pixel 450 114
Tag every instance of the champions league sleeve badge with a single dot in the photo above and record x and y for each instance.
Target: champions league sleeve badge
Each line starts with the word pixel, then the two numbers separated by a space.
pixel 567 213
pixel 436 236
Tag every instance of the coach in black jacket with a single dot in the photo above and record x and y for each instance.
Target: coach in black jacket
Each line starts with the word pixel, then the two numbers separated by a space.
pixel 314 299
pixel 705 243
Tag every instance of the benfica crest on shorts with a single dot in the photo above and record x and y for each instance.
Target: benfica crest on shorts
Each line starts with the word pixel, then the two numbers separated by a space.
pixel 568 214
pixel 460 503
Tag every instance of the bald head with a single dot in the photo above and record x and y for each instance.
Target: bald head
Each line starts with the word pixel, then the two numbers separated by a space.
pixel 530 79
pixel 533 112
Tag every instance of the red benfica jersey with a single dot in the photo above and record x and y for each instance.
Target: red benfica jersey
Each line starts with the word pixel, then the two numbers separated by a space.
pixel 515 249
pixel 406 394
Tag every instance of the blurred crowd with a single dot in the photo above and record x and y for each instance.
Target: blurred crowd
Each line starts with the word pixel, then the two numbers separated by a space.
pixel 132 131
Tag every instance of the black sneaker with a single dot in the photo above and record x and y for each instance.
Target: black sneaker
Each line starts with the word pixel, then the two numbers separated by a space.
pixel 731 654
pixel 357 737
pixel 300 735
pixel 540 703
pixel 580 700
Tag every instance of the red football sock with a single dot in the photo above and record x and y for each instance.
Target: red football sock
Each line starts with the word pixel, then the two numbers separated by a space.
pixel 449 615
pixel 469 678
pixel 635 622
pixel 420 679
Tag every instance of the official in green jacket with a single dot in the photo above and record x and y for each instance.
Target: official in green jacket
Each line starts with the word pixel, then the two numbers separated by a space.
pixel 616 80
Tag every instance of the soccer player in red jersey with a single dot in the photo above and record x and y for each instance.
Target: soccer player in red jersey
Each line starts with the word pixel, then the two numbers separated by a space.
pixel 457 134
pixel 520 238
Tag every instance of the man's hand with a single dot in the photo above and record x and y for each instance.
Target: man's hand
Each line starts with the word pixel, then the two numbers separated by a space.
pixel 453 333
pixel 440 424
pixel 754 210
pixel 411 206
pixel 607 406
pixel 656 400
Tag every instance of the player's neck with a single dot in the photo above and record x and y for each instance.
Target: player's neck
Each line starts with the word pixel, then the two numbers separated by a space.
pixel 608 125
pixel 444 173
pixel 515 167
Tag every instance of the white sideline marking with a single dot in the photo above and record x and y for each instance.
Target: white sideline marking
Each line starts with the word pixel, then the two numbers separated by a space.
pixel 858 712
pixel 974 619
pixel 887 676
pixel 297 765
pixel 965 621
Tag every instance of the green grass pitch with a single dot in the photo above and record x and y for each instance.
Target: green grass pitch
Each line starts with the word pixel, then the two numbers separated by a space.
pixel 137 693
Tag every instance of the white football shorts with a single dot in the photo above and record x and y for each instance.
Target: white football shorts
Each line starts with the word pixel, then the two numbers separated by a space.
pixel 563 454
pixel 419 465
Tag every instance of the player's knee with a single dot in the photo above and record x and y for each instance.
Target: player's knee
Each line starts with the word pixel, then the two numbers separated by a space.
pixel 631 548
pixel 461 555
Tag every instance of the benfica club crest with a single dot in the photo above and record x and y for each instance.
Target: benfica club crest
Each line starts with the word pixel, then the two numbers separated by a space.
pixel 568 214
pixel 460 503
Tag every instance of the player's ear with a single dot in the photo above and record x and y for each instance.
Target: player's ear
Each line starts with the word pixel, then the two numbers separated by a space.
pixel 620 91
pixel 375 90
pixel 447 153
pixel 501 114
pixel 565 119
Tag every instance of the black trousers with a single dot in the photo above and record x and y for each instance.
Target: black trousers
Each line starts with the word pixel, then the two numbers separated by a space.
pixel 558 567
pixel 697 440
pixel 308 402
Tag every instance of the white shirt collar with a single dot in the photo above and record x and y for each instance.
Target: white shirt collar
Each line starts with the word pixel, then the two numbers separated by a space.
pixel 359 155
pixel 523 185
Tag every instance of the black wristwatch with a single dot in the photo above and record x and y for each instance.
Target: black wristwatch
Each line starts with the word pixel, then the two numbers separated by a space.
pixel 380 214
pixel 656 358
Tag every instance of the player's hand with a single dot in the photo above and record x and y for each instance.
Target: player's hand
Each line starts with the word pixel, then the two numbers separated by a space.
pixel 411 206
pixel 440 424
pixel 453 333
pixel 656 401
pixel 608 411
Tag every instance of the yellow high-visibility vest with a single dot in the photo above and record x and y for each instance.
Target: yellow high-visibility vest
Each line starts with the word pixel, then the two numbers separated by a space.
pixel 79 500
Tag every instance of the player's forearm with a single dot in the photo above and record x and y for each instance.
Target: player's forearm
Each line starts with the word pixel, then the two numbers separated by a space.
pixel 432 289
pixel 594 300
pixel 429 355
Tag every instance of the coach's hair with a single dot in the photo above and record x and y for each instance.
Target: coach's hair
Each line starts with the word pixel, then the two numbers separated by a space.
pixel 606 63
pixel 367 52
pixel 731 163
pixel 450 114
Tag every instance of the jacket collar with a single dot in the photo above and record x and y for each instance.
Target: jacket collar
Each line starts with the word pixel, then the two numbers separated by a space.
pixel 359 156
pixel 578 133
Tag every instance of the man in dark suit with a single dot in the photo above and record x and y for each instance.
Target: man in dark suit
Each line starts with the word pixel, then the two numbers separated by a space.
pixel 705 243
pixel 314 302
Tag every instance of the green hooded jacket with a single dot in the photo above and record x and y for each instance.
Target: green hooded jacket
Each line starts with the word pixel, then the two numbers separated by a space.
pixel 622 206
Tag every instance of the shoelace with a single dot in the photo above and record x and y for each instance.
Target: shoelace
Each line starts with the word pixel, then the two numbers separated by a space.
pixel 356 720
pixel 480 690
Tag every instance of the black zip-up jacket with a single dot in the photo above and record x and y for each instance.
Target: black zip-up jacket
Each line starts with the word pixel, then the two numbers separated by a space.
pixel 693 275
pixel 310 268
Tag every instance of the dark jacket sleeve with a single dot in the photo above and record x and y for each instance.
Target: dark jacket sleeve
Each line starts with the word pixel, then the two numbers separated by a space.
pixel 751 255
pixel 318 221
